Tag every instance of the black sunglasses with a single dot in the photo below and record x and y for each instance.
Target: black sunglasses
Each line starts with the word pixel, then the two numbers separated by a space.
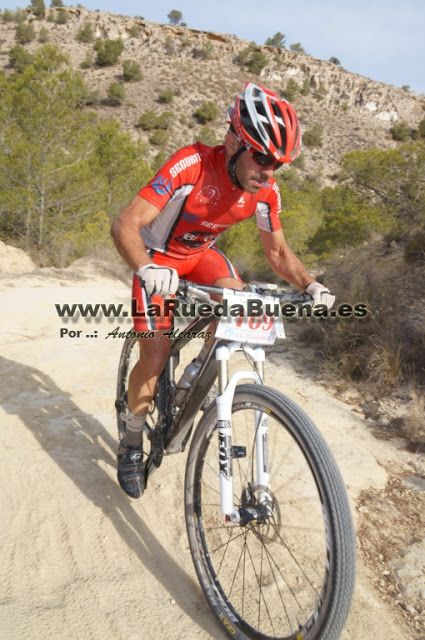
pixel 263 160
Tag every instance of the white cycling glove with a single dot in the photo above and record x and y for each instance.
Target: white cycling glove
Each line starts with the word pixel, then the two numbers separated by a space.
pixel 158 280
pixel 320 294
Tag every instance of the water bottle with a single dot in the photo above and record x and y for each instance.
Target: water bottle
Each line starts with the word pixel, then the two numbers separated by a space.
pixel 185 382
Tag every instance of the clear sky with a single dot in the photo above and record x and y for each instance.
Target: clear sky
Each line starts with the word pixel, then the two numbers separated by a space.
pixel 380 39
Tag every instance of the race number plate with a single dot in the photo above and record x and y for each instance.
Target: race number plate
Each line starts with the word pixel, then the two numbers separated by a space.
pixel 257 325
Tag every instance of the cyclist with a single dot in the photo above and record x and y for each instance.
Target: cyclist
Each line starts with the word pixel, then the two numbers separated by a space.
pixel 169 228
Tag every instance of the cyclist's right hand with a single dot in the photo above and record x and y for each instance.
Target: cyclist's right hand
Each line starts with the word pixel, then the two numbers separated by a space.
pixel 158 280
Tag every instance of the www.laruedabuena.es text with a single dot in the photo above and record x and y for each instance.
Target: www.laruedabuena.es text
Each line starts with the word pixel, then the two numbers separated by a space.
pixel 179 309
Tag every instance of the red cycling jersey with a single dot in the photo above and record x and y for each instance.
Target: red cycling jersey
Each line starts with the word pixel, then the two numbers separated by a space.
pixel 198 202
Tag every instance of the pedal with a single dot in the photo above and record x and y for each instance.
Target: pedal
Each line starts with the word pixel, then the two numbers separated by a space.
pixel 238 452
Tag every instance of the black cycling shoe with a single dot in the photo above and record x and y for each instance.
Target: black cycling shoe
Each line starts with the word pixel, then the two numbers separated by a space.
pixel 130 471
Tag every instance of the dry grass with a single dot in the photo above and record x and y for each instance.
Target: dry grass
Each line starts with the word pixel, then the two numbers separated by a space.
pixel 387 348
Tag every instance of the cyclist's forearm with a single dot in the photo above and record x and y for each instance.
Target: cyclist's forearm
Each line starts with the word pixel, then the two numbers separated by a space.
pixel 129 244
pixel 290 268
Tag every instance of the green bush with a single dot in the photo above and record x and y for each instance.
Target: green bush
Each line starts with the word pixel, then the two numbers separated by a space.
pixel 62 16
pixel 252 59
pixel 88 61
pixel 24 33
pixel 278 40
pixel 131 71
pixel 159 138
pixel 38 8
pixel 147 121
pixel 175 17
pixel 296 47
pixel 291 90
pixel 19 58
pixel 414 250
pixel 334 60
pixel 205 53
pixel 163 120
pixel 421 128
pixel 85 33
pixel 108 52
pixel 166 96
pixel 313 136
pixel 43 35
pixel 135 31
pixel 400 131
pixel 206 112
pixel 56 4
pixel 7 16
pixel 116 94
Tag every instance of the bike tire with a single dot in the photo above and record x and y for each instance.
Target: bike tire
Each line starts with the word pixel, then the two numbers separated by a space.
pixel 326 620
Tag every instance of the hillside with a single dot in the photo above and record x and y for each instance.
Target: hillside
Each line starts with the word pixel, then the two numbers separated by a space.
pixel 352 111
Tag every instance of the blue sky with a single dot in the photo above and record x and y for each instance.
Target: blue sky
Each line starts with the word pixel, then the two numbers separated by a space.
pixel 381 39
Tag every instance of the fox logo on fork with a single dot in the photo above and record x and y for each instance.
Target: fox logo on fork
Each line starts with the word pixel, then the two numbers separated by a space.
pixel 224 449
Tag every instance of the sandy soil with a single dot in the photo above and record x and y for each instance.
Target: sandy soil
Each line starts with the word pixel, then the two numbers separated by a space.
pixel 81 560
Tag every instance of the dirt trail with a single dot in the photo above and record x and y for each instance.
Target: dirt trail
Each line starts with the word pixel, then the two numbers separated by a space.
pixel 80 560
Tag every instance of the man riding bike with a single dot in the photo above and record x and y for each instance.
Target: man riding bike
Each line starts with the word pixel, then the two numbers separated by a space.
pixel 169 228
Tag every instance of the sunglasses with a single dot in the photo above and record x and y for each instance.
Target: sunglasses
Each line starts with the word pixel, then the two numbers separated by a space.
pixel 263 160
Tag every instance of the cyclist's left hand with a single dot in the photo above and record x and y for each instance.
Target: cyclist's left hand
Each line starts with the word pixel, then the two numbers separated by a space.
pixel 320 294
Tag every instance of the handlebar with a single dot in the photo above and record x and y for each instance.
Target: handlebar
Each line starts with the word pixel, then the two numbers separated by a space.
pixel 203 292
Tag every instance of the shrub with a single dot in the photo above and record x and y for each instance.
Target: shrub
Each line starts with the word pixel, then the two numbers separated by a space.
pixel 19 58
pixel 7 16
pixel 291 89
pixel 251 58
pixel 166 96
pixel 206 112
pixel 414 250
pixel 116 94
pixel 38 8
pixel 135 31
pixel 85 33
pixel 205 53
pixel 163 120
pixel 88 61
pixel 400 131
pixel 24 33
pixel 278 40
pixel 62 16
pixel 159 138
pixel 56 4
pixel 334 60
pixel 108 52
pixel 175 17
pixel 43 35
pixel 19 16
pixel 296 46
pixel 131 71
pixel 421 128
pixel 313 137
pixel 147 121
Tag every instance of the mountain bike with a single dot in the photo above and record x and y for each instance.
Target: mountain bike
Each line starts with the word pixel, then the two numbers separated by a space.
pixel 267 513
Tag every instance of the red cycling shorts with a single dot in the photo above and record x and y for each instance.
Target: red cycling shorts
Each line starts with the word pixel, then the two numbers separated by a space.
pixel 204 268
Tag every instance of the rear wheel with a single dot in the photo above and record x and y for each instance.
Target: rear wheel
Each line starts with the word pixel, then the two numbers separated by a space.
pixel 288 573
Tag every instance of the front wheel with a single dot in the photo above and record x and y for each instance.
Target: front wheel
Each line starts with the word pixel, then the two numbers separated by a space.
pixel 289 574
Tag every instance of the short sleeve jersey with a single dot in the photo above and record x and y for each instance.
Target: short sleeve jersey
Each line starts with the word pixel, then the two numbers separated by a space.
pixel 198 201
